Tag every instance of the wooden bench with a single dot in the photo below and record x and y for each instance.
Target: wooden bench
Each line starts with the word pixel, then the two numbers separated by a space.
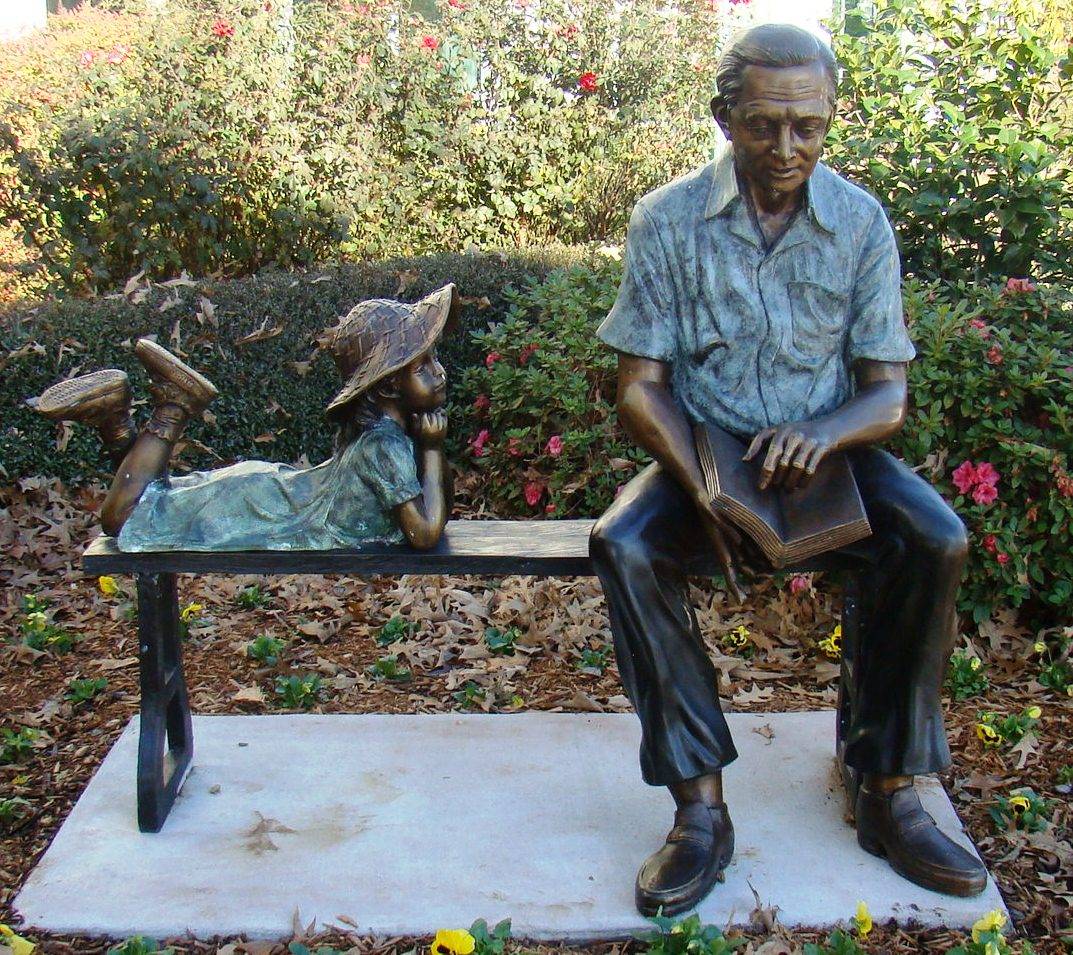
pixel 165 742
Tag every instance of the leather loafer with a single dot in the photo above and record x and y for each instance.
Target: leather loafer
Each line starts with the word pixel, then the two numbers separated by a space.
pixel 895 825
pixel 692 860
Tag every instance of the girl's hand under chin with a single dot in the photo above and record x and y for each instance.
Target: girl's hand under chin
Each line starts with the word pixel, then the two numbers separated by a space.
pixel 430 428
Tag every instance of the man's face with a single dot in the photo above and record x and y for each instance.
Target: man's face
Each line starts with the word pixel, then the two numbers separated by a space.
pixel 778 126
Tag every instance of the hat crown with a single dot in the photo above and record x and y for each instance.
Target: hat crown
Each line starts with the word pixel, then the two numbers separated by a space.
pixel 364 331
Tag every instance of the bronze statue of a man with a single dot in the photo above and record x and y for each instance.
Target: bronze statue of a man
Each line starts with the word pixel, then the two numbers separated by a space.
pixel 762 295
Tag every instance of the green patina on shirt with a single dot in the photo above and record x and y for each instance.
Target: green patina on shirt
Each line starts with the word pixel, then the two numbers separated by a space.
pixel 345 502
pixel 758 337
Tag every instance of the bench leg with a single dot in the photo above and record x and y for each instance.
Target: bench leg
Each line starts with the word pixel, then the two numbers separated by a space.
pixel 851 632
pixel 166 742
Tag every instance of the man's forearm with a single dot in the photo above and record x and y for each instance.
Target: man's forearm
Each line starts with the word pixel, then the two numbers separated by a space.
pixel 875 413
pixel 653 419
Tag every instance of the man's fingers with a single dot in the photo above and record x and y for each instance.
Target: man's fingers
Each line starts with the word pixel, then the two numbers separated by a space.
pixel 774 453
pixel 789 450
pixel 814 461
pixel 757 443
pixel 796 470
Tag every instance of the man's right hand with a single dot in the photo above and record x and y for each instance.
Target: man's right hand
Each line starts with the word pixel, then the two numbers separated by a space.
pixel 725 539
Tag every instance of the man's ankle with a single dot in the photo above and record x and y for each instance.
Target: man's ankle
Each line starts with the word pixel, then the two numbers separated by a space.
pixel 707 789
pixel 883 785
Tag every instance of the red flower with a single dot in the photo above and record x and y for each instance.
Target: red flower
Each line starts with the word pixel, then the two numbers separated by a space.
pixel 87 58
pixel 477 444
pixel 534 491
pixel 223 29
pixel 587 81
pixel 482 403
pixel 1019 285
pixel 994 355
pixel 118 54
pixel 981 326
pixel 799 584
pixel 964 477
pixel 985 494
pixel 554 447
pixel 570 30
pixel 1065 485
pixel 491 358
pixel 457 4
pixel 526 353
pixel 990 543
pixel 1003 559
pixel 514 447
pixel 429 42
pixel 549 508
pixel 986 473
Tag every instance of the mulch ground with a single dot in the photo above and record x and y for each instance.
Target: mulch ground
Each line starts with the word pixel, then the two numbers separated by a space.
pixel 329 627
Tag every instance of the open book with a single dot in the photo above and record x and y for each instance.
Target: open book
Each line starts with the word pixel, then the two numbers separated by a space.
pixel 788 526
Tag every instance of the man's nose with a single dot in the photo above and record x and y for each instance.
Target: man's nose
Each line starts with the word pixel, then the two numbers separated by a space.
pixel 783 144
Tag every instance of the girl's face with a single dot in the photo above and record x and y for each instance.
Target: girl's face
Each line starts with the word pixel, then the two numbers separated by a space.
pixel 422 384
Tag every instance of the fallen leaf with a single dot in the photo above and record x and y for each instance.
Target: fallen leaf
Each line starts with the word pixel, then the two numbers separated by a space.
pixel 258 839
pixel 758 694
pixel 766 731
pixel 581 701
pixel 249 694
pixel 407 277
pixel 111 663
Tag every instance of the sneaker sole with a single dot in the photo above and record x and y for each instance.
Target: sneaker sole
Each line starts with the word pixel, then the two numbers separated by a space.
pixel 70 397
pixel 163 364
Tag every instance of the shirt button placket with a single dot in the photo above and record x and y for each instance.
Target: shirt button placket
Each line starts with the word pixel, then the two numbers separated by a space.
pixel 767 349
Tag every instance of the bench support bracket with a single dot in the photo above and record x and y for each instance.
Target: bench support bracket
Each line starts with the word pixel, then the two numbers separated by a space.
pixel 166 741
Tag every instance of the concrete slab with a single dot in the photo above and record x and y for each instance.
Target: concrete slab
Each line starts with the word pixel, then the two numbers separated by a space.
pixel 407 824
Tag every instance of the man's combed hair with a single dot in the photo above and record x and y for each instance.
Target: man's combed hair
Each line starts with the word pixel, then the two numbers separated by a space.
pixel 771 45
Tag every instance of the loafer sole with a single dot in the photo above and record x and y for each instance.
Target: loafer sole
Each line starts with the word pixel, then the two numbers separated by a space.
pixel 686 897
pixel 962 886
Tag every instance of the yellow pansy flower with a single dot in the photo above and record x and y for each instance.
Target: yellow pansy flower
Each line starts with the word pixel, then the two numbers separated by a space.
pixel 1033 712
pixel 994 921
pixel 1040 647
pixel 863 920
pixel 1019 803
pixel 17 944
pixel 108 586
pixel 190 612
pixel 738 637
pixel 36 620
pixel 453 941
pixel 987 733
pixel 974 664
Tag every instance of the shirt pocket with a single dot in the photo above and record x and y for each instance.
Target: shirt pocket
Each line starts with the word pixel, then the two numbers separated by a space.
pixel 818 316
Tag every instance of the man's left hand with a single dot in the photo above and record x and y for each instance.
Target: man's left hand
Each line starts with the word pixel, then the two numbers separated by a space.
pixel 795 451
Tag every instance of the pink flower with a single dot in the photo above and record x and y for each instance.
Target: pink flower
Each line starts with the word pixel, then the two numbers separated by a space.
pixel 964 477
pixel 587 81
pixel 981 326
pixel 514 447
pixel 554 447
pixel 534 491
pixel 1003 559
pixel 1019 285
pixel 87 58
pixel 457 4
pixel 994 355
pixel 118 54
pixel 429 42
pixel 985 494
pixel 363 59
pixel 549 508
pixel 570 30
pixel 1064 483
pixel 482 403
pixel 735 3
pixel 526 353
pixel 990 543
pixel 799 584
pixel 986 473
pixel 223 29
pixel 491 358
pixel 477 444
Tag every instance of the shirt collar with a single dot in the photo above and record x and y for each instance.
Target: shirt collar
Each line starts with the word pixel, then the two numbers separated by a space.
pixel 819 199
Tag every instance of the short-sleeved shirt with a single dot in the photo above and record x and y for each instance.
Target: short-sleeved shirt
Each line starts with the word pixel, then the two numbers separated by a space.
pixel 345 502
pixel 758 337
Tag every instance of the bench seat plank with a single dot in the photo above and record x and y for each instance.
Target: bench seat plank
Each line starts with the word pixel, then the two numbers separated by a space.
pixel 543 548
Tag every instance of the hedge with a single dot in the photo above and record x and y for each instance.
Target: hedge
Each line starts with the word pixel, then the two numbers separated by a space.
pixel 273 387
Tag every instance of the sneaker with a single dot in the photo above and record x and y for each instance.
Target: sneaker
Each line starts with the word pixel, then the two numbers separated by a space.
pixel 92 399
pixel 173 381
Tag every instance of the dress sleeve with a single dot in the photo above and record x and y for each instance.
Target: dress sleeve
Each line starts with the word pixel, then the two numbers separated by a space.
pixel 641 322
pixel 877 327
pixel 386 464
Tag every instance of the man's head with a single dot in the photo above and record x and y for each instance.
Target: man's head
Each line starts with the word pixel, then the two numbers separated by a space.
pixel 775 103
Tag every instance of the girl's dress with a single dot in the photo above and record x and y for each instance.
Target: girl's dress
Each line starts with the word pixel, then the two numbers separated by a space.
pixel 345 502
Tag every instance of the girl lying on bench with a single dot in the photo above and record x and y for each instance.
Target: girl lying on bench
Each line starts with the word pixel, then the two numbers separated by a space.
pixel 374 489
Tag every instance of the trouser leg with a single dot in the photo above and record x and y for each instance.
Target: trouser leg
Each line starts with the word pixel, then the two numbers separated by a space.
pixel 639 549
pixel 911 568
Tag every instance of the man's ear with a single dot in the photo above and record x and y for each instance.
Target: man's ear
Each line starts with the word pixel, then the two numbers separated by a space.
pixel 721 112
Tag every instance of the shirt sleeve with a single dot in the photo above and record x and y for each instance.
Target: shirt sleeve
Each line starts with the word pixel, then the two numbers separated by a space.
pixel 877 327
pixel 641 320
pixel 386 464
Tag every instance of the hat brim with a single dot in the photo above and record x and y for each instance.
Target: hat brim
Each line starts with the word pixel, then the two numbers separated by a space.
pixel 434 314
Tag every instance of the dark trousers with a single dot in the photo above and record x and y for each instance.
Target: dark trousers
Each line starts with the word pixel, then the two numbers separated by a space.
pixel 908 573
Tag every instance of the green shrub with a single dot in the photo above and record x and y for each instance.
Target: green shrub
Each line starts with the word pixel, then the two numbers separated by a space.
pixel 951 116
pixel 273 391
pixel 211 144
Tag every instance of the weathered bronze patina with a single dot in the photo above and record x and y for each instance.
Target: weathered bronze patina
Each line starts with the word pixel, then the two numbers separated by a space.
pixel 762 295
pixel 387 482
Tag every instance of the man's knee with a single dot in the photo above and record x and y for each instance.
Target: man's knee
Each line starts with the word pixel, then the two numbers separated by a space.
pixel 615 543
pixel 940 536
